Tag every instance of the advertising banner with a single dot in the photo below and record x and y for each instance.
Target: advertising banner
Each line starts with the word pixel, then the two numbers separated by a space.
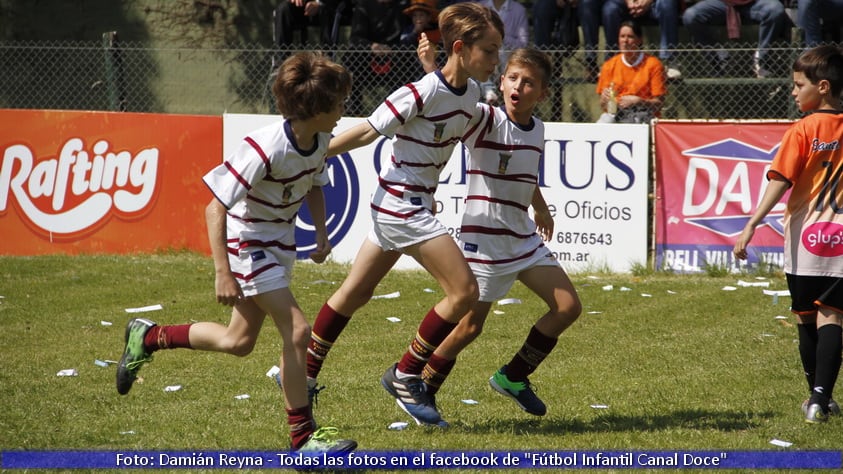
pixel 709 180
pixel 102 182
pixel 594 178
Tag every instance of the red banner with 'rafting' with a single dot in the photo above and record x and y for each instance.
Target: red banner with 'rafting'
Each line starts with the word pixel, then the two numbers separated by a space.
pixel 101 182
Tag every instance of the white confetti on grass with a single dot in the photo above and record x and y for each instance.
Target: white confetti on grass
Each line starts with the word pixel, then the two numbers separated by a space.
pixel 67 373
pixel 144 309
pixel 507 301
pixel 387 296
pixel 781 443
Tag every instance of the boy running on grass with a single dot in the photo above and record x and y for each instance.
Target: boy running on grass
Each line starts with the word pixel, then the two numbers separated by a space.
pixel 498 239
pixel 810 164
pixel 425 120
pixel 258 191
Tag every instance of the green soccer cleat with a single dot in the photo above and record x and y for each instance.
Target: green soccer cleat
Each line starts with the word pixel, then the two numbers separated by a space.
pixel 521 392
pixel 322 441
pixel 134 355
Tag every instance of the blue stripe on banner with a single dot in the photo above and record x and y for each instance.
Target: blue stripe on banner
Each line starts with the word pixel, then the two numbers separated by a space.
pixel 423 459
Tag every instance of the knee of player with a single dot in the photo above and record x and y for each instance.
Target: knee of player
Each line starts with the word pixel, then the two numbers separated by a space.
pixel 464 299
pixel 241 348
pixel 569 311
pixel 301 337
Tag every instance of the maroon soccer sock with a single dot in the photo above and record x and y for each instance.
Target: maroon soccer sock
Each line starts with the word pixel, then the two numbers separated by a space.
pixel 435 372
pixel 167 337
pixel 432 331
pixel 301 425
pixel 326 329
pixel 532 353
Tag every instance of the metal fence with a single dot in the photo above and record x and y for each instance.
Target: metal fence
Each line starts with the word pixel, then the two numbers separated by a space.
pixel 111 75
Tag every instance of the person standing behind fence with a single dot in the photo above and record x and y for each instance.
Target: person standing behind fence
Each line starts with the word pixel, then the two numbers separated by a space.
pixel 425 119
pixel 632 83
pixel 376 27
pixel 813 15
pixel 251 221
pixel 291 16
pixel 498 239
pixel 769 14
pixel 810 163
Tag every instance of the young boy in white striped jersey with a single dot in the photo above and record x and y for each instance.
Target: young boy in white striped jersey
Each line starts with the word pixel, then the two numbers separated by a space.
pixel 425 120
pixel 251 221
pixel 498 239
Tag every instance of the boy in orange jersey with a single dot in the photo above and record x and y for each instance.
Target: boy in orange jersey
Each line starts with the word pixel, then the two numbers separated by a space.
pixel 810 163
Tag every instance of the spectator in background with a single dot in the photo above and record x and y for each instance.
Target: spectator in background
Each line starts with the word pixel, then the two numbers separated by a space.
pixel 549 18
pixel 424 19
pixel 632 83
pixel 613 12
pixel 376 27
pixel 769 14
pixel 812 15
pixel 291 16
pixel 423 16
pixel 516 29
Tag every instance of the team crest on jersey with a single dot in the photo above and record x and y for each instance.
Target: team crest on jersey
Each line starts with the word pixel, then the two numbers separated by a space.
pixel 503 162
pixel 287 194
pixel 438 131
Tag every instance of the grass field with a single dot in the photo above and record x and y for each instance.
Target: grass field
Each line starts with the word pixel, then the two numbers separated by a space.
pixel 679 363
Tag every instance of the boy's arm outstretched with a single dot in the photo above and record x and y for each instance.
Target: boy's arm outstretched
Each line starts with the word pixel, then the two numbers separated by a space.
pixel 359 135
pixel 774 192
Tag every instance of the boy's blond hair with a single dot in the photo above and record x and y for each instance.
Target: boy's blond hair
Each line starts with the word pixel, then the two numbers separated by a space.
pixel 534 58
pixel 308 84
pixel 466 21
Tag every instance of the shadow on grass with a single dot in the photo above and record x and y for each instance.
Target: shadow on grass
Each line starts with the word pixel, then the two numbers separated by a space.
pixel 687 419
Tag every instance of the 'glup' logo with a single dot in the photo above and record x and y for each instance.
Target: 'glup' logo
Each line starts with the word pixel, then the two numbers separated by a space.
pixel 342 194
pixel 824 239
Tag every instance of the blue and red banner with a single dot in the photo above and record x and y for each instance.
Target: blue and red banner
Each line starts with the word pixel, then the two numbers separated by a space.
pixel 709 180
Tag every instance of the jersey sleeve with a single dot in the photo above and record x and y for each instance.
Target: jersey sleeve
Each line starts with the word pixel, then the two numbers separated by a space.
pixel 232 179
pixel 476 121
pixel 399 107
pixel 788 160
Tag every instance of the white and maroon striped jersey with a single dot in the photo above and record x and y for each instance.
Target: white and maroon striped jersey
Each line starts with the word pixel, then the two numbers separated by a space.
pixel 263 184
pixel 503 165
pixel 425 120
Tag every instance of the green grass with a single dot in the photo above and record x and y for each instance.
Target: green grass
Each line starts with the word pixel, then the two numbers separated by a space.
pixel 691 367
